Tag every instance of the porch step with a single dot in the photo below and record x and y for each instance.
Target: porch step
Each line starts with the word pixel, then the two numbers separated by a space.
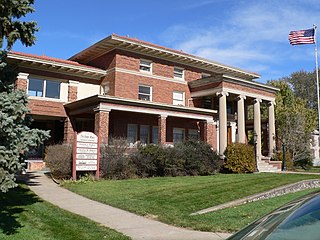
pixel 266 166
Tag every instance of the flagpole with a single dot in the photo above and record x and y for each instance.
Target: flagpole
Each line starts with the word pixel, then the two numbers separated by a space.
pixel 317 75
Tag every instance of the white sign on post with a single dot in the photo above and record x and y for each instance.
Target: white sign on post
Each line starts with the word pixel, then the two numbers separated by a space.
pixel 86 153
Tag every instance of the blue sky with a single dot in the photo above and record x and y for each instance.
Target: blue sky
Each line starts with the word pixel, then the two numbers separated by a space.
pixel 249 34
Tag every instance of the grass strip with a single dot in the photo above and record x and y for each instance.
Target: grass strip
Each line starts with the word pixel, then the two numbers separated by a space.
pixel 24 216
pixel 173 199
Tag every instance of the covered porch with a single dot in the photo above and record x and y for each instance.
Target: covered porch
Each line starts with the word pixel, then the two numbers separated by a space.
pixel 245 114
pixel 141 121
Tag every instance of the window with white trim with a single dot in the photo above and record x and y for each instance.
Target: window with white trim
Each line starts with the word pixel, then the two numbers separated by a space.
pixel 132 133
pixel 178 72
pixel 178 98
pixel 178 135
pixel 193 134
pixel 145 65
pixel 144 134
pixel 145 93
pixel 155 134
pixel 43 88
pixel 204 75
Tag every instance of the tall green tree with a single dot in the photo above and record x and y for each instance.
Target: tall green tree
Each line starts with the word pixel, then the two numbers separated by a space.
pixel 16 137
pixel 295 122
pixel 304 86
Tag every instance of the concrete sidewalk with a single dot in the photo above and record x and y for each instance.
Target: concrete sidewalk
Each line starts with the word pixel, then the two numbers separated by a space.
pixel 132 225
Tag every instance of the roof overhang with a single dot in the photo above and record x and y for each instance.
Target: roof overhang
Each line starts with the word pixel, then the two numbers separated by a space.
pixel 88 105
pixel 129 44
pixel 207 86
pixel 55 66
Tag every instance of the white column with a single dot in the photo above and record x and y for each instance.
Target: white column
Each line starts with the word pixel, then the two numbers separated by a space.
pixel 223 141
pixel 241 119
pixel 257 126
pixel 272 128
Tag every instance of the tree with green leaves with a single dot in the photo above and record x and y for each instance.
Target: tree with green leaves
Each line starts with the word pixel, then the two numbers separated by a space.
pixel 295 123
pixel 304 86
pixel 16 137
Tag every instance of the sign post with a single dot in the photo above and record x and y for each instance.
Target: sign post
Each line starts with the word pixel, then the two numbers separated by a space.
pixel 86 153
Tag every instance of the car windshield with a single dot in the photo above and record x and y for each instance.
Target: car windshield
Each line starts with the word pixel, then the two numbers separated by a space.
pixel 306 221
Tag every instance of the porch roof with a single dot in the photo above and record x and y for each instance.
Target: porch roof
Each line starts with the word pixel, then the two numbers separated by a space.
pixel 55 64
pixel 107 103
pixel 210 85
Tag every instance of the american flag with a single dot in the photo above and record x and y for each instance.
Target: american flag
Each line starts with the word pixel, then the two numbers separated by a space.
pixel 301 37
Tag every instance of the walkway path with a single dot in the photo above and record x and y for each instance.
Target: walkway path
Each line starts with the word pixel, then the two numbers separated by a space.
pixel 132 225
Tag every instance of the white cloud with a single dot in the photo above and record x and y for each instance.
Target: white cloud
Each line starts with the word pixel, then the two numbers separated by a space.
pixel 252 36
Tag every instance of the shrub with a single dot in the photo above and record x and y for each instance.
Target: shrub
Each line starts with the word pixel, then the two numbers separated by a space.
pixel 198 158
pixel 155 160
pixel 240 158
pixel 59 159
pixel 149 161
pixel 303 160
pixel 115 161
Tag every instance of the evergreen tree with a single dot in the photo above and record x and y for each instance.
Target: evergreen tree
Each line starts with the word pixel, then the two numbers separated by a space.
pixel 16 137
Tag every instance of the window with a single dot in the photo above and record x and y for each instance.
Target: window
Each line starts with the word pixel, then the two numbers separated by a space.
pixel 178 98
pixel 178 72
pixel 44 88
pixel 145 65
pixel 155 136
pixel 35 87
pixel 132 133
pixel 178 135
pixel 193 134
pixel 52 89
pixel 145 93
pixel 204 75
pixel 144 134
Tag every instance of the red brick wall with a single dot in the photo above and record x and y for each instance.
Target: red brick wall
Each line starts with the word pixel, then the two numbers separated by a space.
pixel 106 61
pixel 127 85
pixel 127 61
pixel 46 108
pixel 68 131
pixel 21 84
pixel 101 126
pixel 162 69
pixel 162 124
pixel 72 93
pixel 210 134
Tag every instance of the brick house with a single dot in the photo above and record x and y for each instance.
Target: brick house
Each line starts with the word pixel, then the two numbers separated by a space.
pixel 124 87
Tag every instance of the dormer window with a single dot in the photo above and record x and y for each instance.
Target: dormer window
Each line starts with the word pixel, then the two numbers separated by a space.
pixel 178 72
pixel 145 65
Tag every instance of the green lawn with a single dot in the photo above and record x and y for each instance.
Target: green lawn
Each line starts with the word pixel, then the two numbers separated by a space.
pixel 24 216
pixel 171 200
